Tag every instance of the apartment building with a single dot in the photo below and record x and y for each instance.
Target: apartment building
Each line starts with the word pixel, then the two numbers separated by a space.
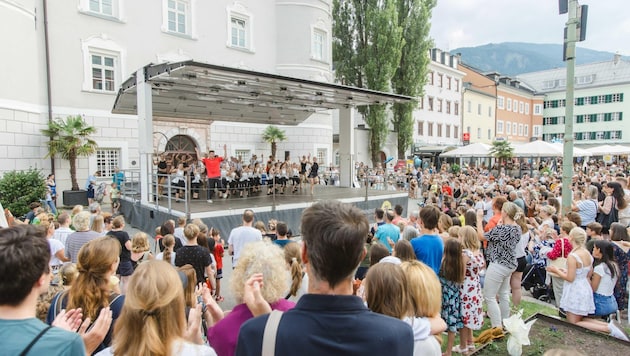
pixel 601 101
pixel 92 46
pixel 479 99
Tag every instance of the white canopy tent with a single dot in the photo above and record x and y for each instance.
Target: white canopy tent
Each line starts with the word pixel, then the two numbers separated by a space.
pixel 545 149
pixel 473 150
pixel 609 150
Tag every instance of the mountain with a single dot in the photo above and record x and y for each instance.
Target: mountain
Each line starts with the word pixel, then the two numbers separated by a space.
pixel 512 58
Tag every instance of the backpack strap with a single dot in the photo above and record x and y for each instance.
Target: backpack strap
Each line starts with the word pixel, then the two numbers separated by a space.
pixel 270 333
pixel 34 341
pixel 59 303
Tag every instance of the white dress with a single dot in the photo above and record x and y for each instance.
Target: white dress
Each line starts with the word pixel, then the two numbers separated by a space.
pixel 577 296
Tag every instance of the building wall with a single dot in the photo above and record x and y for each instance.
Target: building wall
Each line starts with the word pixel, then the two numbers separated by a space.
pixel 278 36
pixel 515 113
pixel 479 111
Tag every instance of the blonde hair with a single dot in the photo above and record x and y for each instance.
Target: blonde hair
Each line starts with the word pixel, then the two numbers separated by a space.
pixel 424 289
pixel 140 242
pixel 577 236
pixel 444 222
pixel 266 258
pixel 293 257
pixel 469 238
pixel 98 224
pixel 513 211
pixel 191 231
pixel 386 290
pixel 76 210
pixel 67 274
pixel 81 221
pixel 91 289
pixel 189 290
pixel 453 231
pixel 118 222
pixel 153 315
pixel 168 242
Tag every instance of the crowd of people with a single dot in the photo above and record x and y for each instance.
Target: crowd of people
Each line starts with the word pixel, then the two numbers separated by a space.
pixel 352 284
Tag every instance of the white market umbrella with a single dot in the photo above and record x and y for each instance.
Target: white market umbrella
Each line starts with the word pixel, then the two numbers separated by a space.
pixel 538 148
pixel 472 150
pixel 609 150
pixel 577 152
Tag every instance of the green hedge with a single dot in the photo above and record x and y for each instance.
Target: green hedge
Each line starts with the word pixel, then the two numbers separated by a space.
pixel 18 189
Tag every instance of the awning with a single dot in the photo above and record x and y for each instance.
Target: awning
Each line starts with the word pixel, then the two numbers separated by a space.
pixel 195 90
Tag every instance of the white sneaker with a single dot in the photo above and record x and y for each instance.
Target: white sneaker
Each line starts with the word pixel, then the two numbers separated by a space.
pixel 618 332
pixel 209 201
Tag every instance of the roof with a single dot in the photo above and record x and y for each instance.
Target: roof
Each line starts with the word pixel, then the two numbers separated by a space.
pixel 616 71
pixel 197 90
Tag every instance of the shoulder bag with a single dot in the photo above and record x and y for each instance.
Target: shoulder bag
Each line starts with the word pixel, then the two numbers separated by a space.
pixel 560 262
pixel 607 219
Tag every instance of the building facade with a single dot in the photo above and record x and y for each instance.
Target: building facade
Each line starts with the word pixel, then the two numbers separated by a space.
pixel 479 98
pixel 519 111
pixel 601 102
pixel 94 45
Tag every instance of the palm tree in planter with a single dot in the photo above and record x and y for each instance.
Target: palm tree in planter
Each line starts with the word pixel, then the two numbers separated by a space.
pixel 502 150
pixel 70 139
pixel 273 135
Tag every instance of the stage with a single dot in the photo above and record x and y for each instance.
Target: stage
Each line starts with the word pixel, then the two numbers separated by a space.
pixel 225 214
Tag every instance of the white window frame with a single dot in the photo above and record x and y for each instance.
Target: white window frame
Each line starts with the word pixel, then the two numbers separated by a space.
pixel 500 102
pixel 84 8
pixel 521 107
pixel 478 132
pixel 500 127
pixel 520 129
pixel 190 24
pixel 526 130
pixel 536 130
pixel 245 153
pixel 489 110
pixel 489 134
pixel 107 169
pixel 101 45
pixel 239 11
pixel 508 128
pixel 122 146
pixel 323 56
pixel 526 108
pixel 509 104
pixel 515 106
pixel 538 109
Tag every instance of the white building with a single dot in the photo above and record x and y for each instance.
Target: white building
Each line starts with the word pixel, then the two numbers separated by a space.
pixel 94 45
pixel 602 101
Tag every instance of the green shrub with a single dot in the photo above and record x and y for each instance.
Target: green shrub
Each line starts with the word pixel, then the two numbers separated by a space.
pixel 20 188
pixel 455 168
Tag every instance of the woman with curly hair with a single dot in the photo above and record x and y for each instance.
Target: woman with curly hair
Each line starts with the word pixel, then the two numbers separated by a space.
pixel 153 320
pixel 91 291
pixel 259 257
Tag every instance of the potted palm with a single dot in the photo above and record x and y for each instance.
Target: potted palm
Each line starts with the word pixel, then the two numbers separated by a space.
pixel 70 139
pixel 273 135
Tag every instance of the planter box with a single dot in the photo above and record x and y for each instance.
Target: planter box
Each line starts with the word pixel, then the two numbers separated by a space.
pixel 75 197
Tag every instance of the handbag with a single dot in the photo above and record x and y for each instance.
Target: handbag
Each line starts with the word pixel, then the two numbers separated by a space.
pixel 607 219
pixel 560 262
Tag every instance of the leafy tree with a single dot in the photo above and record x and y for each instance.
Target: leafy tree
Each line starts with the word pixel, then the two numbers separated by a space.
pixel 20 188
pixel 502 150
pixel 366 51
pixel 70 139
pixel 273 135
pixel 411 76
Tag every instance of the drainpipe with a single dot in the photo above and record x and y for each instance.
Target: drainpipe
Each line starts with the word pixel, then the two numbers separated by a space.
pixel 48 81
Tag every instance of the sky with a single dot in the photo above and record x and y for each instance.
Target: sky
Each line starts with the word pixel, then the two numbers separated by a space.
pixel 469 23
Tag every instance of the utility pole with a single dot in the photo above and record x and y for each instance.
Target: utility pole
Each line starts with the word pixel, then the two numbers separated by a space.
pixel 576 23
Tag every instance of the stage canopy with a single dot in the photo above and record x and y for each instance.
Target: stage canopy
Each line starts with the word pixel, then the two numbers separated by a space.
pixel 609 150
pixel 472 150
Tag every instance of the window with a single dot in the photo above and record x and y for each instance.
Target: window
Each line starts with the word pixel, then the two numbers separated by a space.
pixel 244 155
pixel 430 102
pixel 439 130
pixel 478 109
pixel 178 13
pixel 448 130
pixel 509 104
pixel 430 78
pixel 439 105
pixel 102 7
pixel 500 102
pixel 431 128
pixel 420 128
pixel 103 73
pixel 499 127
pixel 468 106
pixel 615 135
pixel 106 9
pixel 448 83
pixel 520 129
pixel 106 160
pixel 508 128
pixel 319 45
pixel 538 109
pixel 421 102
pixel 537 129
pixel 103 63
pixel 456 85
pixel 515 107
pixel 526 130
pixel 489 111
pixel 489 134
pixel 521 107
pixel 240 24
pixel 455 131
pixel 448 107
pixel 456 108
pixel 439 83
pixel 468 129
pixel 479 132
pixel 526 108
pixel 322 154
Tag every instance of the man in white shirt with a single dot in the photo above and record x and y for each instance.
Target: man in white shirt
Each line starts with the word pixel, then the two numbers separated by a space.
pixel 242 235
pixel 64 229
pixel 179 230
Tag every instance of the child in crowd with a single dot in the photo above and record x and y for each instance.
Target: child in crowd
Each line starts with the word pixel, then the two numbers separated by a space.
pixel 471 296
pixel 168 254
pixel 604 277
pixel 114 196
pixel 451 278
pixel 219 251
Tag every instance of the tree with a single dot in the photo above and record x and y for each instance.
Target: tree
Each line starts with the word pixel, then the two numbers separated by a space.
pixel 273 135
pixel 502 150
pixel 20 188
pixel 70 139
pixel 366 52
pixel 411 75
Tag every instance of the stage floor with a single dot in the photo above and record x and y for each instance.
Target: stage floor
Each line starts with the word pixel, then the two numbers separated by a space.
pixel 200 208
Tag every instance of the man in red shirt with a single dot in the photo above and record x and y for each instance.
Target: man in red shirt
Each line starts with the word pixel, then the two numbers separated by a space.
pixel 213 170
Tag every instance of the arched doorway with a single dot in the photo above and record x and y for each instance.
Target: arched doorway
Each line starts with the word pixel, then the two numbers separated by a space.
pixel 180 148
